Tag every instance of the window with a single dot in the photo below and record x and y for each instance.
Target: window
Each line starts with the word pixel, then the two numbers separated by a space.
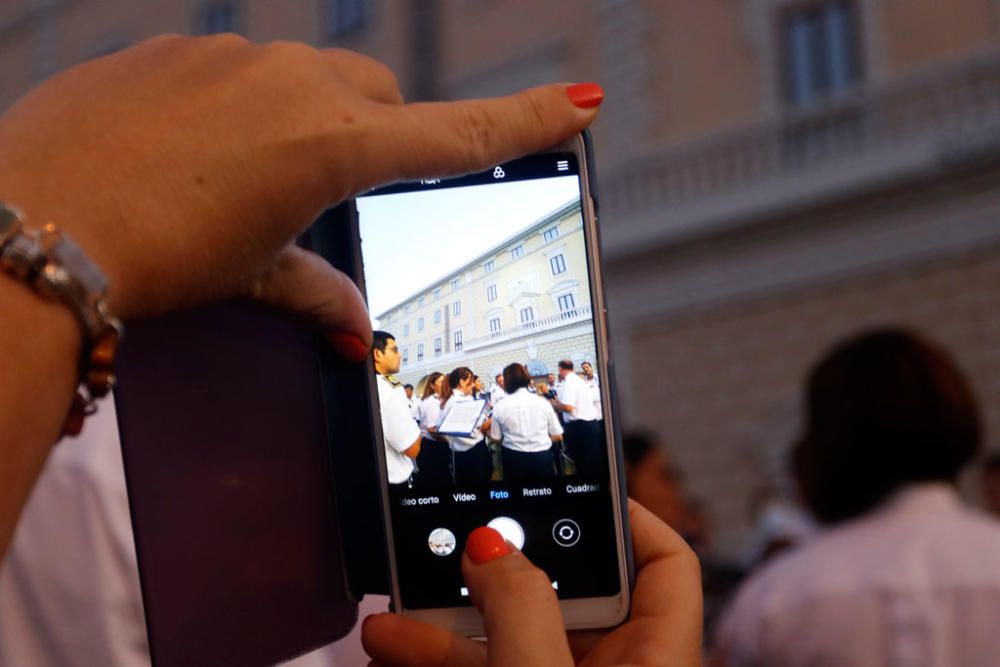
pixel 343 16
pixel 819 50
pixel 437 317
pixel 437 294
pixel 437 346
pixel 406 329
pixel 420 351
pixel 489 266
pixel 406 355
pixel 491 293
pixel 558 264
pixel 458 340
pixel 216 17
pixel 420 302
pixel 494 325
pixel 527 315
pixel 517 251
pixel 456 308
pixel 420 324
pixel 550 233
pixel 566 303
pixel 456 284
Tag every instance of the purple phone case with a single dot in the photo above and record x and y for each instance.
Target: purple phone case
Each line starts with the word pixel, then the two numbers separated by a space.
pixel 225 445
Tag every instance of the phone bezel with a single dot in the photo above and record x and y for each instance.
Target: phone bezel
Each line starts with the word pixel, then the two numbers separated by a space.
pixel 581 613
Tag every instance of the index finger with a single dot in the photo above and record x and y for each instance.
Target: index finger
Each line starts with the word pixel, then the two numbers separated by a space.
pixel 450 138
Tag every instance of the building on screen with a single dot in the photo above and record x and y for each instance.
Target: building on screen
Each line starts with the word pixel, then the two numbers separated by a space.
pixel 526 299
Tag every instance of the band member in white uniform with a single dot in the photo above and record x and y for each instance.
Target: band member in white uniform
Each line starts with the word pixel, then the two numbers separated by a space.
pixel 471 461
pixel 526 426
pixel 584 438
pixel 590 377
pixel 434 461
pixel 413 402
pixel 400 433
pixel 499 390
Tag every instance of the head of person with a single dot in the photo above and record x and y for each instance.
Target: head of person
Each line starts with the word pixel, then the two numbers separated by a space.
pixel 515 377
pixel 990 483
pixel 541 387
pixel 499 380
pixel 461 380
pixel 385 353
pixel 552 379
pixel 408 388
pixel 565 368
pixel 884 410
pixel 652 481
pixel 588 370
pixel 433 384
pixel 477 383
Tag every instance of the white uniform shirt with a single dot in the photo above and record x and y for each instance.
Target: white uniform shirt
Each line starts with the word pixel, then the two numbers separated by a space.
pixel 498 394
pixel 414 404
pixel 430 413
pixel 524 421
pixel 915 583
pixel 457 442
pixel 595 392
pixel 575 393
pixel 398 429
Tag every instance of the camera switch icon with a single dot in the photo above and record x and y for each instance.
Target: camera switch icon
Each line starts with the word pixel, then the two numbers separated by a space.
pixel 566 532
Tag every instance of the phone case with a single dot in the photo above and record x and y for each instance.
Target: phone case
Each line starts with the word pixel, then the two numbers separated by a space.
pixel 254 539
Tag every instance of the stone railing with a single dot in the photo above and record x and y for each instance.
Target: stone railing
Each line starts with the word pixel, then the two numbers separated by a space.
pixel 544 324
pixel 953 107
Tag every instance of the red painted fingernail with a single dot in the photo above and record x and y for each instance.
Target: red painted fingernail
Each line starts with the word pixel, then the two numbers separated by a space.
pixel 349 346
pixel 485 544
pixel 585 95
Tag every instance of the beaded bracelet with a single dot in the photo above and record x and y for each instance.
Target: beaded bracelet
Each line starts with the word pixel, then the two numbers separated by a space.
pixel 58 270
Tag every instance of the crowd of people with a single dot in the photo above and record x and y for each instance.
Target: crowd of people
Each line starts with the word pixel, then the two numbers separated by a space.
pixel 875 559
pixel 529 429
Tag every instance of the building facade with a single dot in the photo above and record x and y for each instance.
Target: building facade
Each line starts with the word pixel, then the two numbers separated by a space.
pixel 525 300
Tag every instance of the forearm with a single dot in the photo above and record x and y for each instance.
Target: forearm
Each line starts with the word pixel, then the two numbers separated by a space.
pixel 39 345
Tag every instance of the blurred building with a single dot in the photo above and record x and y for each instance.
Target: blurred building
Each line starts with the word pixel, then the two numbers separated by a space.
pixel 525 300
pixel 774 174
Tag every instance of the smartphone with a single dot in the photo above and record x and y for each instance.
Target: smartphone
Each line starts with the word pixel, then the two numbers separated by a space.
pixel 473 274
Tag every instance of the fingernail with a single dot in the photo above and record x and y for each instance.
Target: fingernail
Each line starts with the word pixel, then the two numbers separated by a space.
pixel 585 95
pixel 348 346
pixel 485 544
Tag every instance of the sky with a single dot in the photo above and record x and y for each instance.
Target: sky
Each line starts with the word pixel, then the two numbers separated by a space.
pixel 412 239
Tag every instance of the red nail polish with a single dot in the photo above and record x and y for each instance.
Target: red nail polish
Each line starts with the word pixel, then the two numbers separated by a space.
pixel 348 345
pixel 485 544
pixel 585 95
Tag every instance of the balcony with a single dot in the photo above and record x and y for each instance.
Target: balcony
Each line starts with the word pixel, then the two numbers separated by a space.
pixel 545 324
pixel 931 123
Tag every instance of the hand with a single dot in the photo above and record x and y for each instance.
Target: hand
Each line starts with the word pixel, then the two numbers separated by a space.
pixel 185 166
pixel 664 627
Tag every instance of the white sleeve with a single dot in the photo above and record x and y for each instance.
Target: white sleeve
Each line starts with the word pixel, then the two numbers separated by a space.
pixel 555 428
pixel 495 426
pixel 398 427
pixel 568 394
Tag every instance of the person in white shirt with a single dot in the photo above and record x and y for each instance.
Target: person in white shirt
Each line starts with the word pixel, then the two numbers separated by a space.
pixel 413 402
pixel 590 377
pixel 401 435
pixel 526 426
pixel 584 436
pixel 906 575
pixel 434 462
pixel 471 460
pixel 499 390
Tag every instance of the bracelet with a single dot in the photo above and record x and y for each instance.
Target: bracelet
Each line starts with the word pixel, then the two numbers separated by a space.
pixel 58 270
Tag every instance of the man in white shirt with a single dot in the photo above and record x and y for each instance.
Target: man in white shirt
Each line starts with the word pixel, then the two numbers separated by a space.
pixel 907 575
pixel 499 391
pixel 400 432
pixel 584 437
pixel 412 402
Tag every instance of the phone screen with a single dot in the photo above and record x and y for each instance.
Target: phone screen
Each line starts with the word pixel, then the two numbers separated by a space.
pixel 484 283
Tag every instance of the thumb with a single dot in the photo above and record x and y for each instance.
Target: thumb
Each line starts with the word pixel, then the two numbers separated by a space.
pixel 507 589
pixel 303 283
